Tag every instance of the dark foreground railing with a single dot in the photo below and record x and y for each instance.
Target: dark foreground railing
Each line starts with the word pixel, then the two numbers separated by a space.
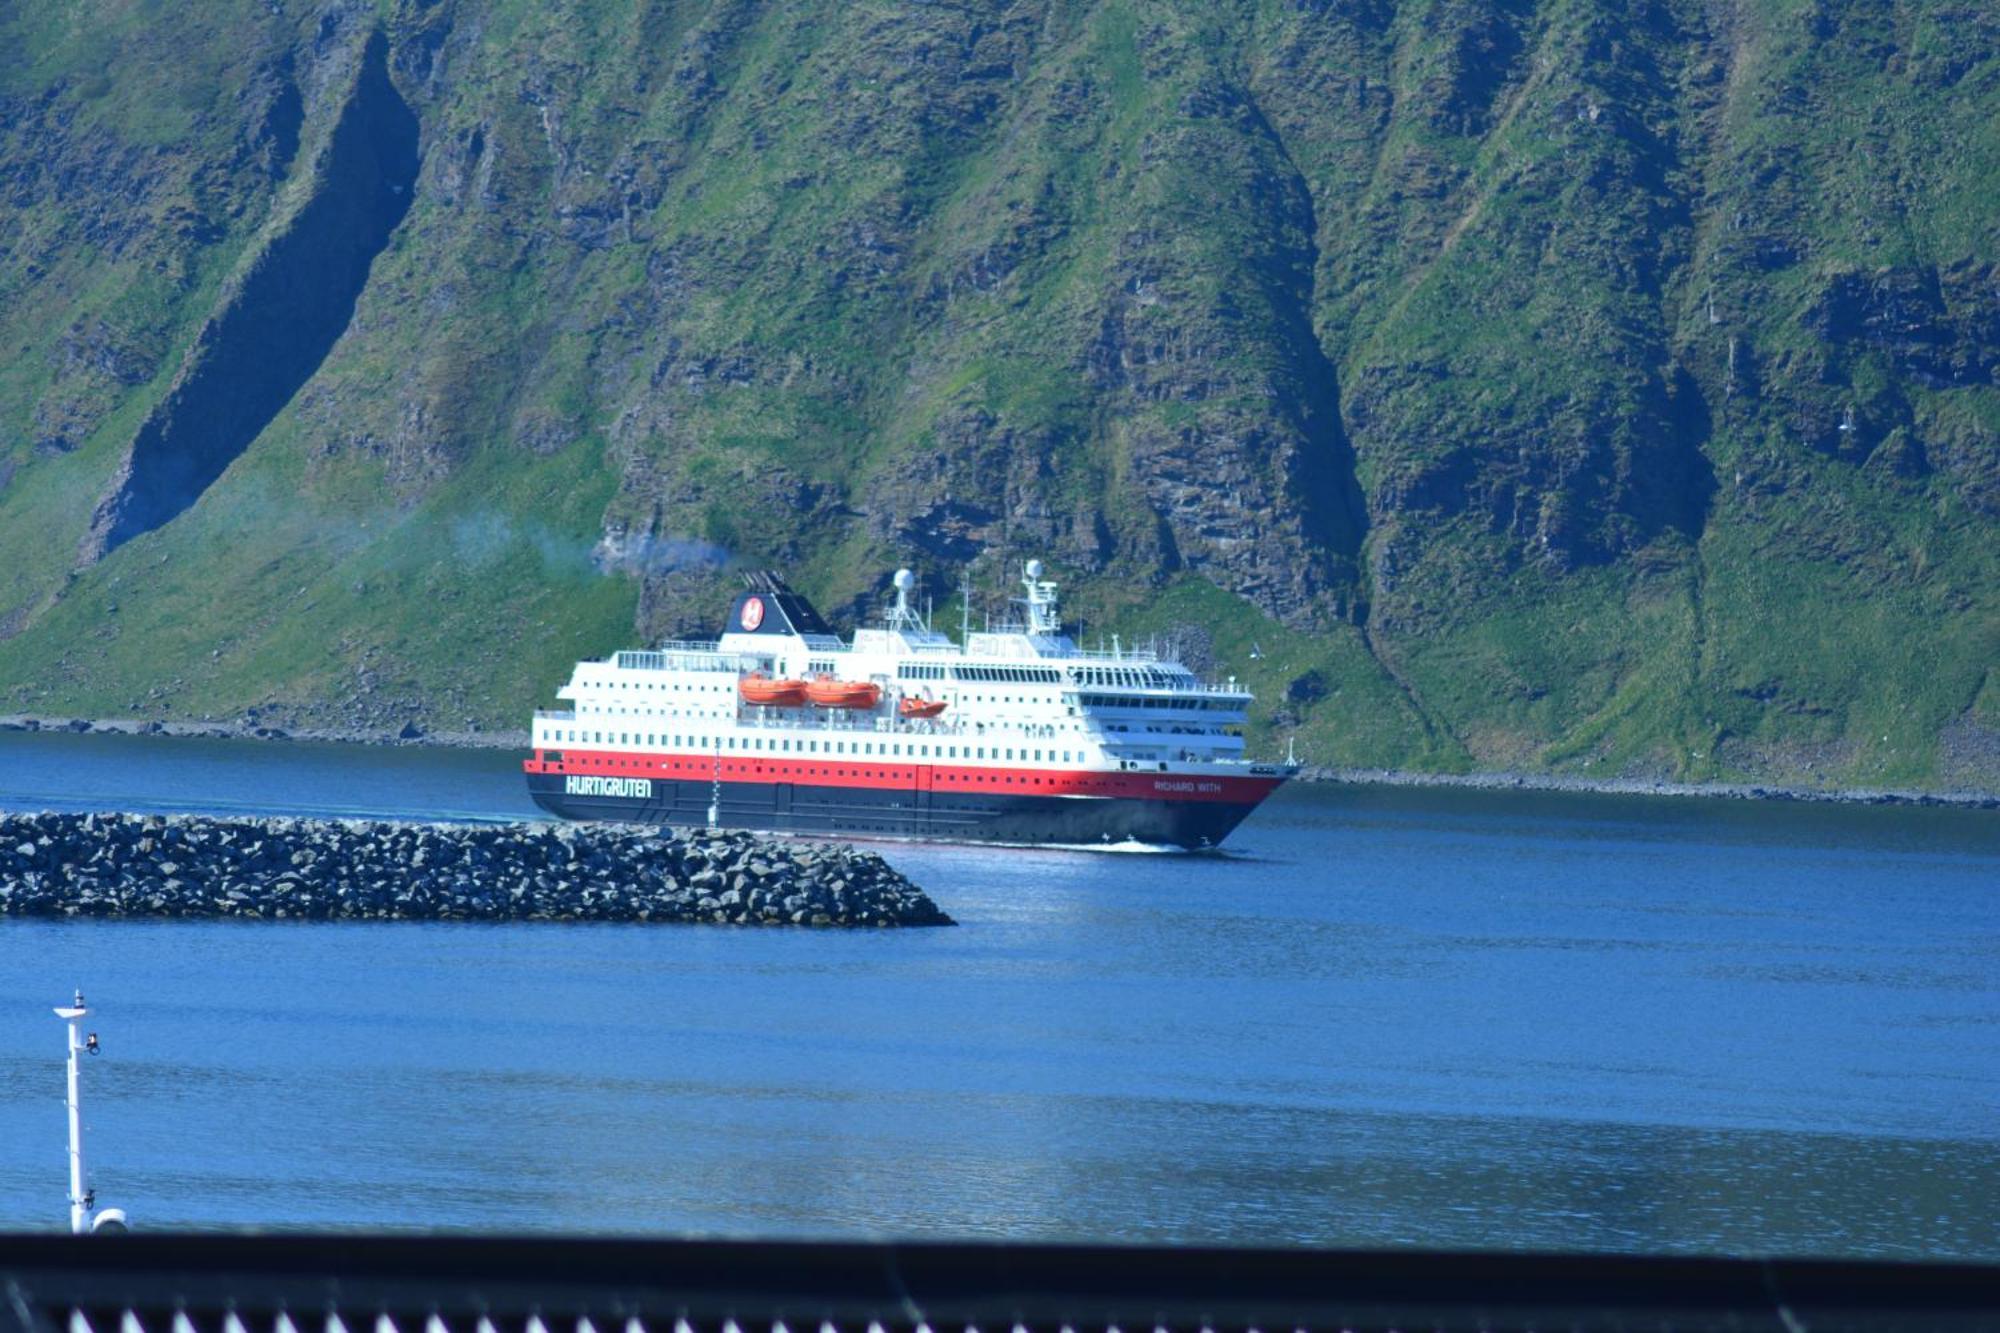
pixel 387 1284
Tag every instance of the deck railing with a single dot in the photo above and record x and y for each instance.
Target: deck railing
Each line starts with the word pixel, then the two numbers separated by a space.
pixel 468 1284
pixel 677 657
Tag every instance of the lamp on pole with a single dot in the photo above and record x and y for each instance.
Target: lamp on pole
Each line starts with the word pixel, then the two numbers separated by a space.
pixel 81 1196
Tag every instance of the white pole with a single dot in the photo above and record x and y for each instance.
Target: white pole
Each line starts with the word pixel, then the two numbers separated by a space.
pixel 715 792
pixel 79 1196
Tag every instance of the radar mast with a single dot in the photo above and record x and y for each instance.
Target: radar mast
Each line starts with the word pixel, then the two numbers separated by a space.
pixel 901 616
pixel 1041 601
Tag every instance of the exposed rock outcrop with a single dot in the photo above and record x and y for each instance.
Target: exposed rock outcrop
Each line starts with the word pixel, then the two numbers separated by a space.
pixel 278 315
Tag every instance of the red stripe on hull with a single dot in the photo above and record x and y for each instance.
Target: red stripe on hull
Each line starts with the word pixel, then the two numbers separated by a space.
pixel 1230 789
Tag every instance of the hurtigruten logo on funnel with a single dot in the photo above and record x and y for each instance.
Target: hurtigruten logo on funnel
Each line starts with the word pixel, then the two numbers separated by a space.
pixel 753 613
pixel 583 784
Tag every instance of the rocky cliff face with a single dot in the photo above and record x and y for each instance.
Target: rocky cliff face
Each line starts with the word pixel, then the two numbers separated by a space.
pixel 279 313
pixel 1562 387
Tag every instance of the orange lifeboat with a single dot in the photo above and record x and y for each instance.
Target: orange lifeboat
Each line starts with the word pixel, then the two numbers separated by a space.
pixel 910 706
pixel 758 688
pixel 830 693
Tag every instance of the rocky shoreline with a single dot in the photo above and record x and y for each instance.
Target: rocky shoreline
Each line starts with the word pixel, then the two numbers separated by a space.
pixel 413 734
pixel 410 733
pixel 190 866
pixel 1735 791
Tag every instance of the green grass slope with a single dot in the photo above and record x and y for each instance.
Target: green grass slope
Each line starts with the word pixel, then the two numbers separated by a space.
pixel 1531 383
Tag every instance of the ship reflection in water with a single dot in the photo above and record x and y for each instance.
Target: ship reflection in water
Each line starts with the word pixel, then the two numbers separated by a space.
pixel 1449 1019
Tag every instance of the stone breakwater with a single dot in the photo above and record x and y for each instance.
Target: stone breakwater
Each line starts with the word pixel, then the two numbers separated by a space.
pixel 93 865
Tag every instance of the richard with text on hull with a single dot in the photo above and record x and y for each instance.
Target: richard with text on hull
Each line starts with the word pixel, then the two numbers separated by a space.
pixel 1014 735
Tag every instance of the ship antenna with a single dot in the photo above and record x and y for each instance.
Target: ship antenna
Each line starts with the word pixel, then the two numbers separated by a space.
pixel 1040 601
pixel 902 616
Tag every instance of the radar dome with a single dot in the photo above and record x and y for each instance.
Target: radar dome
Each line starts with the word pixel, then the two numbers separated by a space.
pixel 1034 569
pixel 905 580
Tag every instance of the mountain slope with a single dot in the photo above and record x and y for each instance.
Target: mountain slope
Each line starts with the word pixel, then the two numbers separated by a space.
pixel 1546 385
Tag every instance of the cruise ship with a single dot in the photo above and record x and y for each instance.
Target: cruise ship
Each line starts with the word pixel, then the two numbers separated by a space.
pixel 1011 735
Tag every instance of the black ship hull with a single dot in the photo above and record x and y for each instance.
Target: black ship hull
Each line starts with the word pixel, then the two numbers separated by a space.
pixel 998 817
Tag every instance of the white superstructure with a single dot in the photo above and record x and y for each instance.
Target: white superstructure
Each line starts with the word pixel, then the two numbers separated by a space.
pixel 1023 694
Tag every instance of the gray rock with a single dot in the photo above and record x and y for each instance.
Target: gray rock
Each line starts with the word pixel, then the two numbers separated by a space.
pixel 118 865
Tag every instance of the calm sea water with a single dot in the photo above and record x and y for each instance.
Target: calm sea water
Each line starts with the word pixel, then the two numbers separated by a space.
pixel 1390 1017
